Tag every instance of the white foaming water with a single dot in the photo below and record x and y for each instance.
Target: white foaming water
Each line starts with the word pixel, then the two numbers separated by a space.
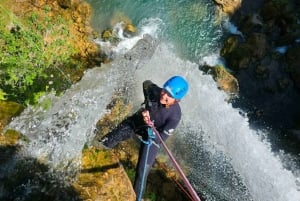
pixel 150 26
pixel 212 60
pixel 58 135
pixel 232 28
pixel 206 113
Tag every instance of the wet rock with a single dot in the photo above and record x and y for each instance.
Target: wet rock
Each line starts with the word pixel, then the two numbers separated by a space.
pixel 251 23
pixel 229 6
pixel 268 78
pixel 8 110
pixel 130 28
pixel 239 54
pixel 102 177
pixel 226 81
pixel 236 53
pixel 269 11
pixel 64 3
pixel 108 35
pixel 229 45
pixel 283 84
pixel 293 58
pixel 258 44
pixel 262 72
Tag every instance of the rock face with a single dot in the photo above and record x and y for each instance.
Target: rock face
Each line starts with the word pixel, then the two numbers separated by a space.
pixel 238 53
pixel 8 110
pixel 266 61
pixel 102 177
pixel 293 60
pixel 80 30
pixel 225 80
pixel 229 6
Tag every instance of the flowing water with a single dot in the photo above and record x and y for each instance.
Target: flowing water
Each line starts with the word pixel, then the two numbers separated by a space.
pixel 224 157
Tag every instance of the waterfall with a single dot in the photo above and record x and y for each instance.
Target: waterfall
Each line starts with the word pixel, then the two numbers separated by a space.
pixel 57 135
pixel 226 159
pixel 211 123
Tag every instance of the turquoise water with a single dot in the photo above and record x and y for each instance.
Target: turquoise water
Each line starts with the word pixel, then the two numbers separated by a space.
pixel 192 27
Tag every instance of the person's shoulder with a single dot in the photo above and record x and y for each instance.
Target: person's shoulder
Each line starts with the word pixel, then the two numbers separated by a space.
pixel 147 82
pixel 175 113
pixel 176 108
pixel 148 85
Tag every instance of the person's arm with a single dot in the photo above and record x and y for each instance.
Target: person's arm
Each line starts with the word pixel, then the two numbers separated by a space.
pixel 147 87
pixel 151 93
pixel 168 128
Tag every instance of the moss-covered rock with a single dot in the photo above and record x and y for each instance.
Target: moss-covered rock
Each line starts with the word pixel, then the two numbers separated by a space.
pixel 225 80
pixel 229 6
pixel 102 177
pixel 8 110
pixel 229 45
pixel 236 53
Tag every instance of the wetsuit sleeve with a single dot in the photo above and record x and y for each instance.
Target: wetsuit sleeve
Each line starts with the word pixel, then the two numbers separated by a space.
pixel 150 93
pixel 168 129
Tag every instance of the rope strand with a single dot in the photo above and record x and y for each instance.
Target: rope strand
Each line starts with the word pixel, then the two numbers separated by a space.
pixel 177 167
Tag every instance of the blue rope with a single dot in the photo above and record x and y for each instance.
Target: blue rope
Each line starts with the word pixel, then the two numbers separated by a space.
pixel 148 143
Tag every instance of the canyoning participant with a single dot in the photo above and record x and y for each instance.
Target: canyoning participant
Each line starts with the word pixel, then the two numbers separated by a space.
pixel 161 109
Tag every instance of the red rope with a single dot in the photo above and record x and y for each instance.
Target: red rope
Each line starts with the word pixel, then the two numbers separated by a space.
pixel 183 189
pixel 177 167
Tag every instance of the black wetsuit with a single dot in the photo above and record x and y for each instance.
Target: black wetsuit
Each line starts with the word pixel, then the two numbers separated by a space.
pixel 165 121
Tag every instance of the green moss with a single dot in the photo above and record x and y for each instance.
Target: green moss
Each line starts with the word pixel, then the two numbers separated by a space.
pixel 34 46
pixel 131 173
pixel 229 45
pixel 9 109
pixel 218 71
pixel 150 196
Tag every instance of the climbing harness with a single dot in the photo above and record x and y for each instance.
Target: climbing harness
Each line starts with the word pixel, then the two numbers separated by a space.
pixel 191 190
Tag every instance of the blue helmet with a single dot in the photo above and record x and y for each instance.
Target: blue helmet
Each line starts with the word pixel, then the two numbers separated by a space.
pixel 177 87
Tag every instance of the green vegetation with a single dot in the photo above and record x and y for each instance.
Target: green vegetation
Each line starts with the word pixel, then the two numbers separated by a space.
pixel 130 173
pixel 150 196
pixel 34 54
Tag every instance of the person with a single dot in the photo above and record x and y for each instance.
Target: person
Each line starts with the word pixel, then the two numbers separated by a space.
pixel 163 110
